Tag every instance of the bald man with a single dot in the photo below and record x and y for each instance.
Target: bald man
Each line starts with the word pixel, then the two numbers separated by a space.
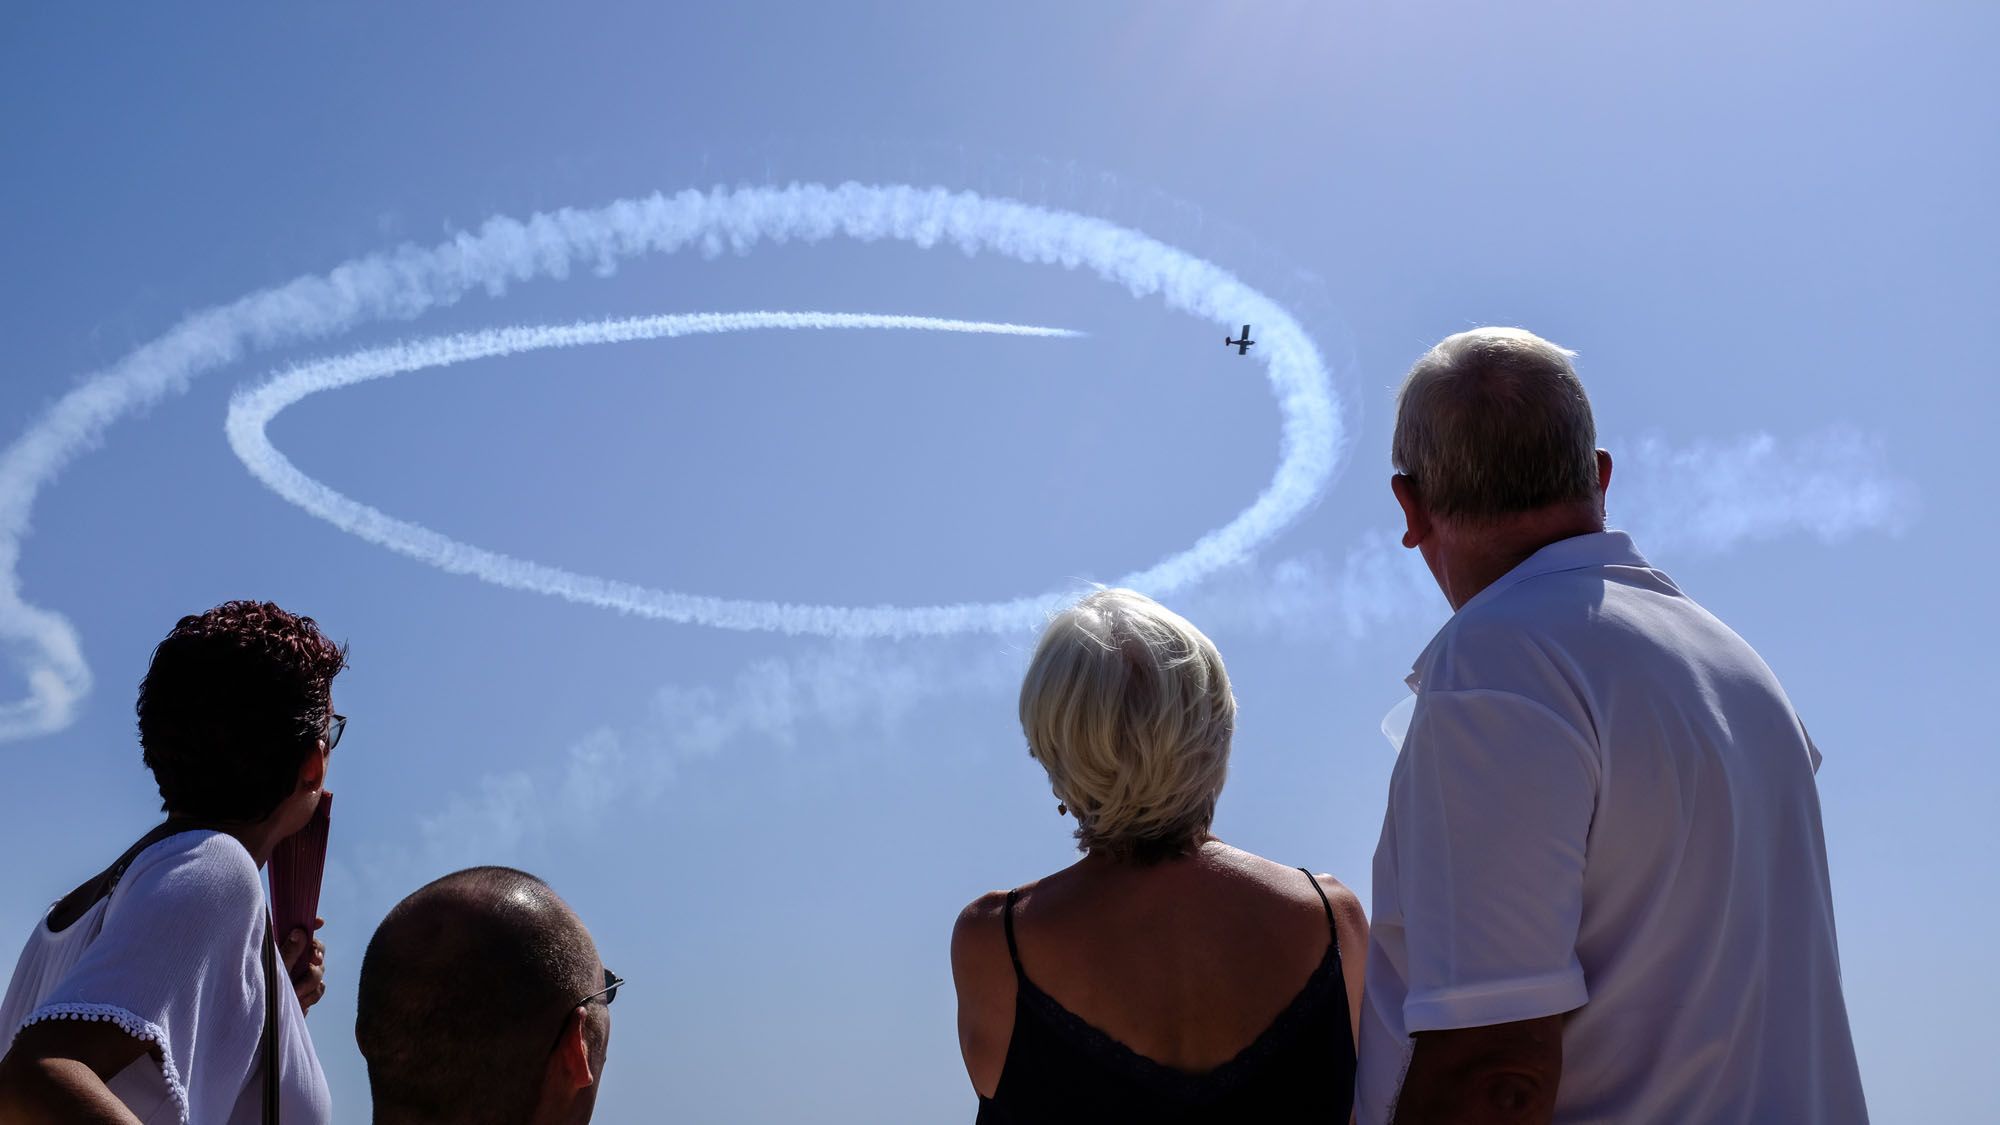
pixel 482 1000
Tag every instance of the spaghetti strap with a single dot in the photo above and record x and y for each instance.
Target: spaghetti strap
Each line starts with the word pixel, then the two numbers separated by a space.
pixel 1063 1070
pixel 1013 951
pixel 1331 924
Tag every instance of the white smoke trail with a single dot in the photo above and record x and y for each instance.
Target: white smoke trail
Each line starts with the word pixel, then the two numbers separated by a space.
pixel 410 281
pixel 813 691
pixel 1680 500
pixel 1307 597
pixel 252 411
pixel 1710 497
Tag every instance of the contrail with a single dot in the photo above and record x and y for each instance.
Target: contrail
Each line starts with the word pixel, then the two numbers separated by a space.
pixel 251 411
pixel 1683 501
pixel 407 282
pixel 1710 496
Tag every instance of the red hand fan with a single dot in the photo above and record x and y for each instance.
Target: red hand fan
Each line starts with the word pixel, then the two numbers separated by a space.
pixel 297 864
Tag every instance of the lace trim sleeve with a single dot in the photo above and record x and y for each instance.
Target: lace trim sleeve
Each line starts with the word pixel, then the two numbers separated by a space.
pixel 143 1030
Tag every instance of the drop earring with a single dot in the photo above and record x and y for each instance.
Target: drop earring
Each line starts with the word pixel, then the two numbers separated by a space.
pixel 1062 809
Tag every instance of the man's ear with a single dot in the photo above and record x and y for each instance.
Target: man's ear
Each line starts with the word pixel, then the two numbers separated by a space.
pixel 1603 483
pixel 569 1064
pixel 1416 518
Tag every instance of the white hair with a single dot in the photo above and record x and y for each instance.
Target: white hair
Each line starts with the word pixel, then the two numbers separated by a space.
pixel 1494 421
pixel 1128 708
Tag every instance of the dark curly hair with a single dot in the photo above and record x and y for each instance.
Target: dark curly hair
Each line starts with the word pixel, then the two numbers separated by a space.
pixel 232 703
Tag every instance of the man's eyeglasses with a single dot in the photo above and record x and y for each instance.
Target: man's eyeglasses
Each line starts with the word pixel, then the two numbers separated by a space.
pixel 335 727
pixel 612 982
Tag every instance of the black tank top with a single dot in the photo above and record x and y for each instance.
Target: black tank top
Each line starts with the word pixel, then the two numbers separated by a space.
pixel 1060 1069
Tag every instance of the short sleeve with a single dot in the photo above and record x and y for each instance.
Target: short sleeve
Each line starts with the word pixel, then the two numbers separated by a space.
pixel 1491 812
pixel 177 965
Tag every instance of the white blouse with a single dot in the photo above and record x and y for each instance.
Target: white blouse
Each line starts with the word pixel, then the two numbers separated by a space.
pixel 174 957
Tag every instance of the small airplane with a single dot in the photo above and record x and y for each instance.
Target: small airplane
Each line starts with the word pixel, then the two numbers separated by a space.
pixel 1242 346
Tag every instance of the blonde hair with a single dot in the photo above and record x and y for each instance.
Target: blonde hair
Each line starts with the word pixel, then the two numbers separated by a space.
pixel 1494 421
pixel 1127 707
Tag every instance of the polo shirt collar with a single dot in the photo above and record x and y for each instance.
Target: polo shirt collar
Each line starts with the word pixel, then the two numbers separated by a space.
pixel 1578 552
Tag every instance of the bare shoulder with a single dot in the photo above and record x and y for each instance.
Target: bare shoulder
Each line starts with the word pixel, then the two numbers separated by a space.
pixel 979 938
pixel 1301 899
pixel 985 979
pixel 1346 904
pixel 984 976
pixel 987 911
pixel 1348 913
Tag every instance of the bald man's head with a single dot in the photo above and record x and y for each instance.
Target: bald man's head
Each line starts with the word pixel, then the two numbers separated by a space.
pixel 464 991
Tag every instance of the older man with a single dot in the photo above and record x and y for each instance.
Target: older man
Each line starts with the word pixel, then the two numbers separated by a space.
pixel 482 1001
pixel 1601 890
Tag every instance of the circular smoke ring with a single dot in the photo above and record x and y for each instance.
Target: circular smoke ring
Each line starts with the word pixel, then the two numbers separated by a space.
pixel 411 281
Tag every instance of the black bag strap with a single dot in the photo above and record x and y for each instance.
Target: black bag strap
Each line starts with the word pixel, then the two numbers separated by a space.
pixel 269 1047
pixel 78 902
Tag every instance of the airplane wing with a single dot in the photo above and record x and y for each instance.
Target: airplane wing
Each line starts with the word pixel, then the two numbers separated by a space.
pixel 1246 332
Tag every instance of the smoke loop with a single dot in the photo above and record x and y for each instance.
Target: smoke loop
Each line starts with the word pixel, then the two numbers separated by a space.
pixel 407 282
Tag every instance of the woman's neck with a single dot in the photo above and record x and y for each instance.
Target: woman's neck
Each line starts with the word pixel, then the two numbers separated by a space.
pixel 1099 859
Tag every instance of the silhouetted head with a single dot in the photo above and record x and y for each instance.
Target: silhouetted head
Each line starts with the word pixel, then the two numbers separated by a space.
pixel 234 707
pixel 1128 707
pixel 480 1002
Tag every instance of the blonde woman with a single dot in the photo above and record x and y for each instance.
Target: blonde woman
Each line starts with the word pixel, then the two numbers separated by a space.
pixel 1165 976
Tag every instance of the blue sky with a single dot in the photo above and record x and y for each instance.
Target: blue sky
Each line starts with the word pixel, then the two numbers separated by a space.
pixel 1765 228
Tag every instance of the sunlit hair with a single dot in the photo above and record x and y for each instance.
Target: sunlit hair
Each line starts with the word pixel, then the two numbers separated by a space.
pixel 1495 421
pixel 1127 706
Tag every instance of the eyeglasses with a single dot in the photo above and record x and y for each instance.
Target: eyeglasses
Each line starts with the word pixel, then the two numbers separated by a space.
pixel 335 727
pixel 612 982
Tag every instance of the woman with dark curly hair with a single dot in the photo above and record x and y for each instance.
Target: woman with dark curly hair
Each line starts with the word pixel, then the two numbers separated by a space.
pixel 152 993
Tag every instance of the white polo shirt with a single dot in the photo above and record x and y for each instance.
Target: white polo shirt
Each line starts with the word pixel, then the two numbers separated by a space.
pixel 1604 805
